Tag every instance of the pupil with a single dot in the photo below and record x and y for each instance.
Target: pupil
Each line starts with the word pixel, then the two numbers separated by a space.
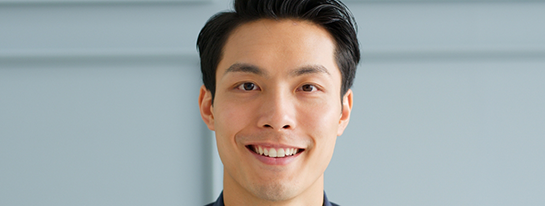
pixel 307 88
pixel 248 86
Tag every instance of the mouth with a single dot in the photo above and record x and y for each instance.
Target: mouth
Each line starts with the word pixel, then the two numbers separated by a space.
pixel 274 152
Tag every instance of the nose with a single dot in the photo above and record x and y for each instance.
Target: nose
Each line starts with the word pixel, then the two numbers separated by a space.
pixel 277 112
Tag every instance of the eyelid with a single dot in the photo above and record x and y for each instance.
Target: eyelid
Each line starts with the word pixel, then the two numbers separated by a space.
pixel 239 84
pixel 317 87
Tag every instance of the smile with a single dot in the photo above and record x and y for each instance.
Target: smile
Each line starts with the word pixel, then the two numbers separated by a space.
pixel 274 152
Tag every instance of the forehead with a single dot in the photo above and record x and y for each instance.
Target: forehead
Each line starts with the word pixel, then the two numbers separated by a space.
pixel 278 45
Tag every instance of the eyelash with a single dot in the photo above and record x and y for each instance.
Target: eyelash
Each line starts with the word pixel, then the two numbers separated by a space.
pixel 241 86
pixel 313 89
pixel 255 87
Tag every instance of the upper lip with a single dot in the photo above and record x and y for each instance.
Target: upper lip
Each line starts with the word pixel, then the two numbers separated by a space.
pixel 274 145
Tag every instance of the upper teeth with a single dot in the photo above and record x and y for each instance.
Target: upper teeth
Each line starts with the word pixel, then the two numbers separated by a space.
pixel 272 152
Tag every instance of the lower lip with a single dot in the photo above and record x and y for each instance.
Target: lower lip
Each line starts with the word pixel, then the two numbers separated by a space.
pixel 275 160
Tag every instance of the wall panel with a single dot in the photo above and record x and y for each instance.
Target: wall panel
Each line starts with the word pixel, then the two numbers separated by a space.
pixel 98 104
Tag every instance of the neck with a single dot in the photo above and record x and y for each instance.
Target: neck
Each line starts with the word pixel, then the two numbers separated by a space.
pixel 235 194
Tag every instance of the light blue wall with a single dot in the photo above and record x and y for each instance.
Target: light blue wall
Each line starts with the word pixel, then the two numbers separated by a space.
pixel 98 104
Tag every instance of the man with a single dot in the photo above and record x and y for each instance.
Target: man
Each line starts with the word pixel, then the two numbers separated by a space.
pixel 277 77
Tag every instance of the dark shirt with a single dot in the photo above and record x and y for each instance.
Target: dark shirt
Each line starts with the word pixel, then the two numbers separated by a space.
pixel 219 201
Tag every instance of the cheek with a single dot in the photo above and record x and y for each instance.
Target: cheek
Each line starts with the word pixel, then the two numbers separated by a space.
pixel 321 123
pixel 322 118
pixel 230 118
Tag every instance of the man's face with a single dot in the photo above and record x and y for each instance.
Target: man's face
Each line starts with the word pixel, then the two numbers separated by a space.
pixel 277 110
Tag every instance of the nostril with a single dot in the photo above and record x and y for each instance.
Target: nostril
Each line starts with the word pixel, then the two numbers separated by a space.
pixel 267 126
pixel 286 126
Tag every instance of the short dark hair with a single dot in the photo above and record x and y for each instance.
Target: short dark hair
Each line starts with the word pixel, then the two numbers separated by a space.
pixel 332 15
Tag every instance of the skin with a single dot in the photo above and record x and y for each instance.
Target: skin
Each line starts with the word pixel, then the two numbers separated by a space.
pixel 277 84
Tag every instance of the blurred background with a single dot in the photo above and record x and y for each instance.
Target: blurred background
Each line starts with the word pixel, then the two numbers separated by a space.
pixel 98 104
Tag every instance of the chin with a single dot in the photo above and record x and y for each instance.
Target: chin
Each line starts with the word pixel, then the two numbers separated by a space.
pixel 275 192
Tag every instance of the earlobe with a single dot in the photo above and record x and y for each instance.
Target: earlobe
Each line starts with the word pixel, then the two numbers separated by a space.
pixel 206 108
pixel 345 114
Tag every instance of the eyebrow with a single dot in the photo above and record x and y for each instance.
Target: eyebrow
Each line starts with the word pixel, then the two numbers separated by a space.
pixel 246 68
pixel 310 69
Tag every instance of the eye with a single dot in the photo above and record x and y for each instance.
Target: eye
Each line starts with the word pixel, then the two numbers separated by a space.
pixel 248 86
pixel 308 88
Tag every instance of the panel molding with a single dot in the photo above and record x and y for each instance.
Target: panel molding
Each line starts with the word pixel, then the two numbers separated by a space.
pixel 451 54
pixel 439 1
pixel 99 56
pixel 33 2
pixel 55 2
pixel 75 53
pixel 191 56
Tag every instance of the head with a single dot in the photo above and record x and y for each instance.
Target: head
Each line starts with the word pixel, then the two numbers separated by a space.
pixel 273 73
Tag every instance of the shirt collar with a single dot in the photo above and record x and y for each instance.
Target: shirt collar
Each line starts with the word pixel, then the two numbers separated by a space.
pixel 219 201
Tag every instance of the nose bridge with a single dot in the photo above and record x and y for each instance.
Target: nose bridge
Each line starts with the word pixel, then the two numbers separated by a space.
pixel 277 110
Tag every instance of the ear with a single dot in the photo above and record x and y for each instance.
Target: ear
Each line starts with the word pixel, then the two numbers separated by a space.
pixel 205 105
pixel 345 114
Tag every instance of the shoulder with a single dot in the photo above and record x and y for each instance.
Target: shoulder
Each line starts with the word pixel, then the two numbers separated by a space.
pixel 219 201
pixel 327 202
